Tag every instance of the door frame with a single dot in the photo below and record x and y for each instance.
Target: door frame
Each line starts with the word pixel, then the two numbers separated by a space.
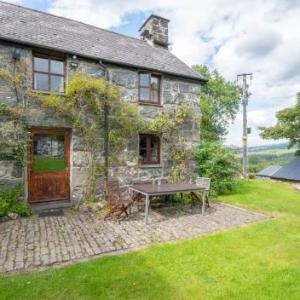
pixel 67 152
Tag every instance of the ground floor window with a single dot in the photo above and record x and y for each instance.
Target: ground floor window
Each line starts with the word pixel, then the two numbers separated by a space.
pixel 149 148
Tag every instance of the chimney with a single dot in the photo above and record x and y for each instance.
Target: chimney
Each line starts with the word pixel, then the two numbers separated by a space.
pixel 155 31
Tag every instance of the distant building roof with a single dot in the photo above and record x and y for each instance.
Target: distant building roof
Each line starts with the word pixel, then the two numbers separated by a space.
pixel 269 171
pixel 290 171
pixel 39 29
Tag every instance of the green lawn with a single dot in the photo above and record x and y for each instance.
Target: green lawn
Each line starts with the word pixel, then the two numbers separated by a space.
pixel 259 261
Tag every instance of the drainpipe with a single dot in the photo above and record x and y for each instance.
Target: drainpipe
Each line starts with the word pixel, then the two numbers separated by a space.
pixel 106 129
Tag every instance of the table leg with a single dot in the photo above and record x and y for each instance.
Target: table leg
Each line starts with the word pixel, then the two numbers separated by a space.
pixel 203 203
pixel 147 202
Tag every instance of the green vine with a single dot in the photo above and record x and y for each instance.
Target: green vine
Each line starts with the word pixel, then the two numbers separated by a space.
pixel 83 105
pixel 13 135
pixel 170 127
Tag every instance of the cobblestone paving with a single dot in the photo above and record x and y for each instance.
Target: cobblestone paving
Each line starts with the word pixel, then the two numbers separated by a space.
pixel 34 243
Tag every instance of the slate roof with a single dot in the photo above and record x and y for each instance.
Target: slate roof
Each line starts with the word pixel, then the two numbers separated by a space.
pixel 290 171
pixel 35 28
pixel 269 171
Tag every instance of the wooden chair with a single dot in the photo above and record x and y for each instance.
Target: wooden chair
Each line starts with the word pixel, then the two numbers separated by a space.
pixel 116 205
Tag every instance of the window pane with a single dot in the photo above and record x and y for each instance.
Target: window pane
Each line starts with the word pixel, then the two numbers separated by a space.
pixel 143 148
pixel 41 82
pixel 57 67
pixel 57 84
pixel 154 155
pixel 154 83
pixel 154 149
pixel 144 94
pixel 144 79
pixel 41 64
pixel 143 155
pixel 48 153
pixel 143 141
pixel 154 140
pixel 154 96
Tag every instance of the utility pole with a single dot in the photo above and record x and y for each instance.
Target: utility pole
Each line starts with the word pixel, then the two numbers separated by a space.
pixel 245 97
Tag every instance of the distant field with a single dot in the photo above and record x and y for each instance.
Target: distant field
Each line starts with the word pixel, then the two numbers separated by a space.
pixel 263 158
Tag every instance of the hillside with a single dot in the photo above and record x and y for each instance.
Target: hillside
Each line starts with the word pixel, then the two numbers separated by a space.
pixel 264 156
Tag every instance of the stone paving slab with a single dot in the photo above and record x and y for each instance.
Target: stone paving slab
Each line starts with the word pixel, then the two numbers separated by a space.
pixel 35 243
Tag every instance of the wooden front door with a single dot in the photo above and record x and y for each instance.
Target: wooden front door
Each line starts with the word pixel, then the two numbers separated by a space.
pixel 49 165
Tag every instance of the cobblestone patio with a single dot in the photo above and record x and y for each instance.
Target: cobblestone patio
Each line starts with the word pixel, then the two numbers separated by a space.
pixel 35 243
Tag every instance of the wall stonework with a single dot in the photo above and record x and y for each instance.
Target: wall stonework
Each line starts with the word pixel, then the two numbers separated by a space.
pixel 155 29
pixel 174 91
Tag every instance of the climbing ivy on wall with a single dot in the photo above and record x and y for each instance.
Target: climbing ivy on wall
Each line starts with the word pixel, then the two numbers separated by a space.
pixel 84 104
pixel 13 135
pixel 170 127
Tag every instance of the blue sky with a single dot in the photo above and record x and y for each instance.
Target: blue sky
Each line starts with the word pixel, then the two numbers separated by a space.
pixel 259 36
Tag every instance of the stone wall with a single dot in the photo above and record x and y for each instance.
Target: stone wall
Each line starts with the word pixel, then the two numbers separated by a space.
pixel 173 92
pixel 156 30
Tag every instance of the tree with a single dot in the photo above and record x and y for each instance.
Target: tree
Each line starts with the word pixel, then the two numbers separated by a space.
pixel 219 103
pixel 287 127
pixel 218 163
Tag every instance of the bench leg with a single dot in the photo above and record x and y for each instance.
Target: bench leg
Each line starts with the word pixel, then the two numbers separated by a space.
pixel 207 200
pixel 203 202
pixel 147 202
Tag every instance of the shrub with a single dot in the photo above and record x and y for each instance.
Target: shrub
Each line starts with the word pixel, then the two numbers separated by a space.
pixel 219 163
pixel 251 175
pixel 10 202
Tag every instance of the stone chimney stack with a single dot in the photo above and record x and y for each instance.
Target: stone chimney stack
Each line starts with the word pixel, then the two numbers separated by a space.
pixel 155 31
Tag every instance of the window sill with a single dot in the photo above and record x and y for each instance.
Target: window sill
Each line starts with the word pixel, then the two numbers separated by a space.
pixel 47 92
pixel 146 166
pixel 150 104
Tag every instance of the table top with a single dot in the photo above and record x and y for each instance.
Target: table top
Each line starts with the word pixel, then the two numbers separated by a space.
pixel 165 188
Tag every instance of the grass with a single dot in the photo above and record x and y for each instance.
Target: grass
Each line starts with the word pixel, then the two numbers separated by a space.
pixel 48 163
pixel 259 261
pixel 266 196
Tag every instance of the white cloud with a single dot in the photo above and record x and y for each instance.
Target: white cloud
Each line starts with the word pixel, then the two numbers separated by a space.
pixel 259 36
pixel 14 1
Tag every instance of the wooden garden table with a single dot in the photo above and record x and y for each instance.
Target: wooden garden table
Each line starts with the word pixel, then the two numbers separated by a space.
pixel 150 189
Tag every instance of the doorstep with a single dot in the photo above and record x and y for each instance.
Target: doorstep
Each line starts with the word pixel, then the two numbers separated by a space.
pixel 37 207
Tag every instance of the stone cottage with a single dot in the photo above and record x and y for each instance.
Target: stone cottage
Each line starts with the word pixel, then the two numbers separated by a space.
pixel 53 48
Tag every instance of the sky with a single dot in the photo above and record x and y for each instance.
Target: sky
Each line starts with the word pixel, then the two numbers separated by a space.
pixel 258 36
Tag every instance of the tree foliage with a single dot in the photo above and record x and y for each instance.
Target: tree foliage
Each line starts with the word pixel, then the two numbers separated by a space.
pixel 219 103
pixel 287 127
pixel 218 163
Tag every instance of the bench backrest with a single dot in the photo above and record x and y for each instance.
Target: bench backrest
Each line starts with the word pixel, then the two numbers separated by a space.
pixel 204 182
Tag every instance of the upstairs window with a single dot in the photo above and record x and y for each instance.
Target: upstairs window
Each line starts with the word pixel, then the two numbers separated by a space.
pixel 48 74
pixel 149 148
pixel 149 88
